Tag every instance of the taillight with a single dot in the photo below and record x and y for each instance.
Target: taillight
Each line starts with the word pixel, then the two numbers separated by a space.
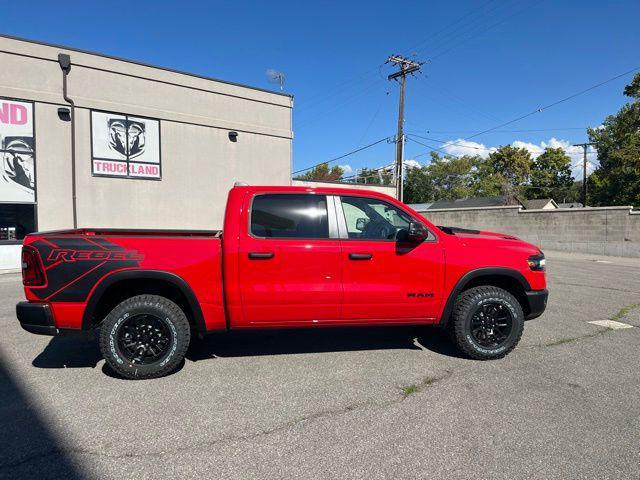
pixel 32 274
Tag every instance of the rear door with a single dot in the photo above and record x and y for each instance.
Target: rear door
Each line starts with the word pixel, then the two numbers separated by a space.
pixel 290 262
pixel 385 279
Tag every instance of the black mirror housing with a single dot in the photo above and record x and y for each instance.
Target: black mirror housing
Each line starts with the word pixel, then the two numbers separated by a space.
pixel 417 232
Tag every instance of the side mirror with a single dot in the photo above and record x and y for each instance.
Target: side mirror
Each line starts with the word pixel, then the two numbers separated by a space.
pixel 361 224
pixel 417 232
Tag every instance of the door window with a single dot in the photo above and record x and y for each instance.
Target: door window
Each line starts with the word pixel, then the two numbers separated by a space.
pixel 373 219
pixel 289 216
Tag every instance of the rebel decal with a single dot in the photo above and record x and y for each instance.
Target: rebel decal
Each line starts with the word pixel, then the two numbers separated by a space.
pixel 74 265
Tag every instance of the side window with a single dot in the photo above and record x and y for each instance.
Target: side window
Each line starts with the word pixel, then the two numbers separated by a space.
pixel 289 216
pixel 373 219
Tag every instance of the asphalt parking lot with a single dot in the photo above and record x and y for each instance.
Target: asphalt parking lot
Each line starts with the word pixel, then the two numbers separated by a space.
pixel 348 403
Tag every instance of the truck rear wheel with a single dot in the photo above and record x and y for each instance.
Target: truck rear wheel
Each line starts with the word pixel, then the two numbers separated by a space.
pixel 487 322
pixel 145 336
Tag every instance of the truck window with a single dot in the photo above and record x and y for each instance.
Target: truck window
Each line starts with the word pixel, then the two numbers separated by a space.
pixel 289 216
pixel 373 219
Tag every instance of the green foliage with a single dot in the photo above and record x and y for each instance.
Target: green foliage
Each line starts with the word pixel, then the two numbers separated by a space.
pixel 445 177
pixel 551 175
pixel 617 180
pixel 509 165
pixel 375 176
pixel 322 173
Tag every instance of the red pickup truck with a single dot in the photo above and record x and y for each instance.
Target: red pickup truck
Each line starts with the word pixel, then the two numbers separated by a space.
pixel 287 257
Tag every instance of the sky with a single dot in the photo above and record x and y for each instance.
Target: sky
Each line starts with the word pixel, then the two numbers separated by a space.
pixel 487 62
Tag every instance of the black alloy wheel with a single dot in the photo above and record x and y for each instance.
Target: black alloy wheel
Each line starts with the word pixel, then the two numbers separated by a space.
pixel 144 339
pixel 491 324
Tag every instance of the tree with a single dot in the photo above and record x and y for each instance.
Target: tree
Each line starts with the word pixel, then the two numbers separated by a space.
pixel 418 186
pixel 616 181
pixel 322 173
pixel 374 176
pixel 446 177
pixel 509 165
pixel 551 175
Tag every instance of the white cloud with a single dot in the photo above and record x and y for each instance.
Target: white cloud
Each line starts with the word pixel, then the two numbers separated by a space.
pixel 346 168
pixel 412 164
pixel 465 147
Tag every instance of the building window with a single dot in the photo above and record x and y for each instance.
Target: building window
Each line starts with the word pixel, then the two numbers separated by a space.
pixel 125 146
pixel 17 177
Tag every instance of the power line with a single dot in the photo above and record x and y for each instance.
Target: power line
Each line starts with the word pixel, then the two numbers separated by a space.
pixel 343 156
pixel 509 131
pixel 449 143
pixel 541 109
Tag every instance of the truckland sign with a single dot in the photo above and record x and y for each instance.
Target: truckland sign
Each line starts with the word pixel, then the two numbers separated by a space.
pixel 125 146
pixel 17 152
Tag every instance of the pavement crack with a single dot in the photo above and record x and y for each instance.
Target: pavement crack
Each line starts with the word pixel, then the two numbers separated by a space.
pixel 597 287
pixel 415 388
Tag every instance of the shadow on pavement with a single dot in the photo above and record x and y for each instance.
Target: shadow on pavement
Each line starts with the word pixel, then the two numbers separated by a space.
pixel 69 352
pixel 30 450
pixel 80 352
pixel 296 341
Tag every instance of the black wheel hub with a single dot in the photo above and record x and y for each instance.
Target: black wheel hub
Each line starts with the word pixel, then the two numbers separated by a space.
pixel 491 324
pixel 144 339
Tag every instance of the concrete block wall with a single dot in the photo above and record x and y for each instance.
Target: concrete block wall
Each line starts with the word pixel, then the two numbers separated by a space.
pixel 602 231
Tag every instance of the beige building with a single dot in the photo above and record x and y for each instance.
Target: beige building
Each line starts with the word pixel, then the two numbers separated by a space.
pixel 89 140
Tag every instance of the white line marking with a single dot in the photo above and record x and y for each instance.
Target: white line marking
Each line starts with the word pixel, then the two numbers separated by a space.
pixel 612 324
pixel 603 261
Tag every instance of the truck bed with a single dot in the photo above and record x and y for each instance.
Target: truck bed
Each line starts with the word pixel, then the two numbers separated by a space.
pixel 138 232
pixel 77 263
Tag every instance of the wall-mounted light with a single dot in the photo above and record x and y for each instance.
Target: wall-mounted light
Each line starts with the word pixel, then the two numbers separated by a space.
pixel 233 136
pixel 64 114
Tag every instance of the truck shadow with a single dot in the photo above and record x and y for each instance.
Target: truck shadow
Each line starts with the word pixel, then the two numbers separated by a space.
pixel 83 352
pixel 299 341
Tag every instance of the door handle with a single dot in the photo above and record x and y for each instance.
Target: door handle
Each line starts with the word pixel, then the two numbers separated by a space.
pixel 260 255
pixel 360 256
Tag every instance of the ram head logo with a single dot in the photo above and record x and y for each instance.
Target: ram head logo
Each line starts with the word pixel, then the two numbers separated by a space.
pixel 126 137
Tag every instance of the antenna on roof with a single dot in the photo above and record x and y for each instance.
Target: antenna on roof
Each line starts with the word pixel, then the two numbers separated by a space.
pixel 274 76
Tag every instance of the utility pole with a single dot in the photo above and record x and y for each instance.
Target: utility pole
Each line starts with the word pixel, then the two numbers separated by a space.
pixel 406 67
pixel 584 171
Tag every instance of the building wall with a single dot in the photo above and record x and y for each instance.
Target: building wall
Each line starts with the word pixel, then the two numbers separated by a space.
pixel 602 231
pixel 387 190
pixel 199 163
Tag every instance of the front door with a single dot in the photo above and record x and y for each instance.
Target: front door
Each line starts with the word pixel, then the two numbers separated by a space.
pixel 289 264
pixel 384 279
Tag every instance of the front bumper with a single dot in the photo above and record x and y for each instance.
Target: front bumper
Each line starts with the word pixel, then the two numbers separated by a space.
pixel 537 300
pixel 36 318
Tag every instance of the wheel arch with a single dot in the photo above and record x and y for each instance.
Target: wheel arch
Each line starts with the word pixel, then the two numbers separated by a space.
pixel 128 283
pixel 508 279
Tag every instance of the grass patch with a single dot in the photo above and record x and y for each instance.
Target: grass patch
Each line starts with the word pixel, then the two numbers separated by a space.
pixel 561 341
pixel 624 311
pixel 409 390
pixel 415 388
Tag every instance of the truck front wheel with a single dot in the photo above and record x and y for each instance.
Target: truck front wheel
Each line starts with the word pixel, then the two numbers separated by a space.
pixel 487 322
pixel 145 336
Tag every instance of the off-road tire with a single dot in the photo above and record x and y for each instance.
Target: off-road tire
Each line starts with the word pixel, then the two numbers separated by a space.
pixel 465 307
pixel 177 326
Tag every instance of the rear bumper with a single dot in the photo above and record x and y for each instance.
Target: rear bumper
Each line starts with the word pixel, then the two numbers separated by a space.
pixel 36 318
pixel 537 300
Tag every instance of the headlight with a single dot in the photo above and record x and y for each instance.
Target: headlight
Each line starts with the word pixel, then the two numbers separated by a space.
pixel 537 262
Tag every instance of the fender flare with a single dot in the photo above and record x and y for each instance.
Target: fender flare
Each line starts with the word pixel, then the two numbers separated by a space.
pixel 171 278
pixel 480 272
